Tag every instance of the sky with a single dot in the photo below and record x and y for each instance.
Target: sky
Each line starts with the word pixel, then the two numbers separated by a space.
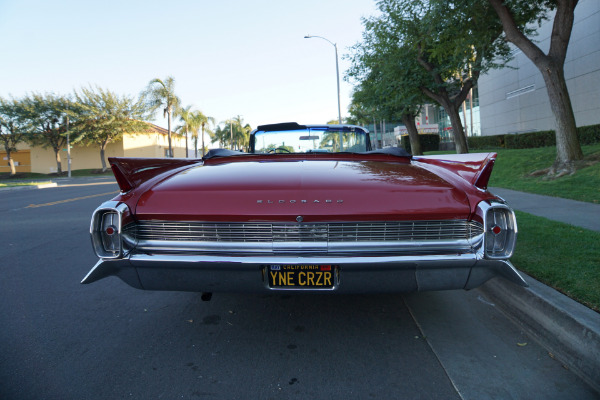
pixel 228 58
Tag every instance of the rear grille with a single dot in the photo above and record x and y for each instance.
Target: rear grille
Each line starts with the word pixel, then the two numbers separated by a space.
pixel 304 237
pixel 322 232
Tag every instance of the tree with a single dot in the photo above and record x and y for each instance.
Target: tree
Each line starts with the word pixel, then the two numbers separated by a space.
pixel 219 135
pixel 452 41
pixel 515 15
pixel 186 124
pixel 241 131
pixel 12 128
pixel 159 94
pixel 47 122
pixel 194 121
pixel 389 79
pixel 102 117
pixel 205 123
pixel 234 134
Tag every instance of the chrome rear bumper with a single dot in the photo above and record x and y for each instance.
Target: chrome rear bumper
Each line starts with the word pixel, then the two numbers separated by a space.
pixel 204 273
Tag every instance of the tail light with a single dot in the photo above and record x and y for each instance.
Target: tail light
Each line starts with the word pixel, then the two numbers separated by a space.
pixel 107 229
pixel 500 230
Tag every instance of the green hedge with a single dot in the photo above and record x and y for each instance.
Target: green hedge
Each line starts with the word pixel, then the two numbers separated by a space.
pixel 530 140
pixel 587 135
pixel 429 142
pixel 485 142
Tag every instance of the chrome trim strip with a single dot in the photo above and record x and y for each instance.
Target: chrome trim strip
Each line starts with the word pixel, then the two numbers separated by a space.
pixel 454 246
pixel 357 274
pixel 192 259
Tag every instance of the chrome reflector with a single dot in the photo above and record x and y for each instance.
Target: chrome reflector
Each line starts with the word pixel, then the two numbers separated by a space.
pixel 500 231
pixel 109 231
pixel 106 230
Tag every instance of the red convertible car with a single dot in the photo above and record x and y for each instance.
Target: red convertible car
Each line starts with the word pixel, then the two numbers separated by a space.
pixel 309 208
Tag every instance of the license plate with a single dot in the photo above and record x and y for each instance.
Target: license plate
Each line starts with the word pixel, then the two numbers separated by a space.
pixel 301 276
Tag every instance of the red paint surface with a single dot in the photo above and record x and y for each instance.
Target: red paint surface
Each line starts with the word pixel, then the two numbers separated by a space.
pixel 317 187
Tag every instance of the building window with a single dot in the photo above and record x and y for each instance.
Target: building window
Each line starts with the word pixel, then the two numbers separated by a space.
pixel 518 92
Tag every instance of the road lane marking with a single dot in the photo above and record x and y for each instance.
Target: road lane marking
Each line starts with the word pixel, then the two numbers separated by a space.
pixel 69 200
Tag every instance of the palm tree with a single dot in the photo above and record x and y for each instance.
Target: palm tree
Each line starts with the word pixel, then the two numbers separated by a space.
pixel 162 94
pixel 192 122
pixel 236 133
pixel 203 122
pixel 185 128
pixel 220 135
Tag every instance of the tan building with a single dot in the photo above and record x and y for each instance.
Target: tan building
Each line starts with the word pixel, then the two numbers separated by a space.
pixel 42 160
pixel 21 158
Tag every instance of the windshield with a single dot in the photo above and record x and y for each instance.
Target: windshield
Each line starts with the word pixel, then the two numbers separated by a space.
pixel 312 140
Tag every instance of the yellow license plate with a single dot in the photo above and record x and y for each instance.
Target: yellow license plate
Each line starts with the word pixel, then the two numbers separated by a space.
pixel 301 276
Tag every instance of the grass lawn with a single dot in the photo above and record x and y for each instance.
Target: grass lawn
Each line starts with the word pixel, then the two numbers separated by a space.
pixel 560 255
pixel 6 178
pixel 91 172
pixel 31 178
pixel 513 167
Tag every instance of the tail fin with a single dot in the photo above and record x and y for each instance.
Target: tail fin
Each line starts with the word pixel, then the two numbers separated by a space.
pixel 131 172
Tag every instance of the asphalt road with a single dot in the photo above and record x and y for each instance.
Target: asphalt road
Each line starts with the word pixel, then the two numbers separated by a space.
pixel 63 340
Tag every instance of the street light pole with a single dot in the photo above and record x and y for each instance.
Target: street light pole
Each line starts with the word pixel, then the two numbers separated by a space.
pixel 337 72
pixel 68 146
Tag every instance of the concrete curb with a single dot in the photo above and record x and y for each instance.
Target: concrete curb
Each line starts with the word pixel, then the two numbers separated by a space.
pixel 567 329
pixel 47 185
pixel 25 187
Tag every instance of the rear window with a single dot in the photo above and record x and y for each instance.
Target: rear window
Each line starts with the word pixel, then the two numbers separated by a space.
pixel 311 140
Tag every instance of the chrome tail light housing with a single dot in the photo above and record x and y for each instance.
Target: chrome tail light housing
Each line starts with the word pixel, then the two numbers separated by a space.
pixel 500 230
pixel 106 229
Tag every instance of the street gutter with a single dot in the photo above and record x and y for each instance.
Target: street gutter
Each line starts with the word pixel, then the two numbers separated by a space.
pixel 567 329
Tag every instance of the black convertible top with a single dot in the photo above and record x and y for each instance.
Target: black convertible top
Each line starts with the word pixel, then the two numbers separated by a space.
pixel 283 126
pixel 222 153
pixel 392 151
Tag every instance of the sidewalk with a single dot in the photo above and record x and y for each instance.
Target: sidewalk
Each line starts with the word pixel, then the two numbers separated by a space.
pixel 578 213
pixel 567 329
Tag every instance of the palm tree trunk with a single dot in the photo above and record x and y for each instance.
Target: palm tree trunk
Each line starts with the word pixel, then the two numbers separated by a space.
pixel 186 144
pixel 169 131
pixel 203 139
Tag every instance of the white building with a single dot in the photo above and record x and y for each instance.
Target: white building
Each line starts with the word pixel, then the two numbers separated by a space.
pixel 514 100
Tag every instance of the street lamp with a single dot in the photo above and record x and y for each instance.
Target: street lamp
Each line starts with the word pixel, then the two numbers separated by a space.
pixel 337 71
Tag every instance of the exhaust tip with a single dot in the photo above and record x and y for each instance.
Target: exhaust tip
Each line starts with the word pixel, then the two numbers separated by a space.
pixel 206 296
